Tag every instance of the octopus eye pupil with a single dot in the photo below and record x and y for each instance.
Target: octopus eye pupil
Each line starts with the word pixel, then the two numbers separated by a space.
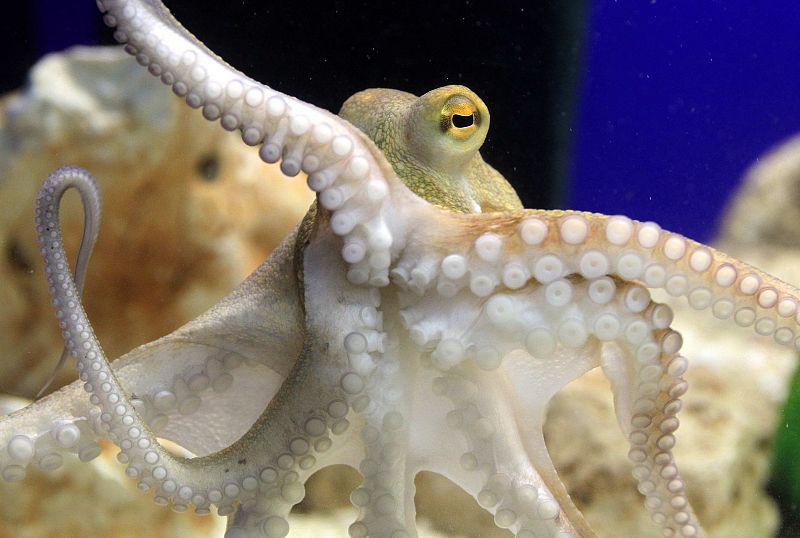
pixel 462 121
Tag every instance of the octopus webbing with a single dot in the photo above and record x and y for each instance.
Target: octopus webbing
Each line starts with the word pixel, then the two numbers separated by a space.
pixel 418 319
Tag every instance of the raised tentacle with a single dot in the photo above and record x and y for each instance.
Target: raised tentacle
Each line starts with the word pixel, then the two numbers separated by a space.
pixel 265 470
pixel 350 174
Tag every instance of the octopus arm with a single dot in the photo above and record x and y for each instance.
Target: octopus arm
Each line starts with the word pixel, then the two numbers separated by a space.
pixel 351 176
pixel 220 369
pixel 263 472
pixel 539 297
pixel 171 376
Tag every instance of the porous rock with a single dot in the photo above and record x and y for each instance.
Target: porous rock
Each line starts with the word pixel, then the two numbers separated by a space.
pixel 189 211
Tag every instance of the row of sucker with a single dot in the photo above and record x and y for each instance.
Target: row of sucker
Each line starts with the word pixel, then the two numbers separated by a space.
pixel 283 481
pixel 340 167
pixel 45 448
pixel 376 392
pixel 268 486
pixel 183 396
pixel 537 319
pixel 655 398
pixel 540 319
pixel 549 246
pixel 528 510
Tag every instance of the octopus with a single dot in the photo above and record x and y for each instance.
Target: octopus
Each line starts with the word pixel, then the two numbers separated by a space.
pixel 418 319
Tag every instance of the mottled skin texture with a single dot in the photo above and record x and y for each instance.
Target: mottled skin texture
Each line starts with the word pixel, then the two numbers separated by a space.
pixel 435 159
pixel 397 331
pixel 405 126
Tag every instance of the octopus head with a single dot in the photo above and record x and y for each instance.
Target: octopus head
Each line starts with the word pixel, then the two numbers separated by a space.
pixel 433 143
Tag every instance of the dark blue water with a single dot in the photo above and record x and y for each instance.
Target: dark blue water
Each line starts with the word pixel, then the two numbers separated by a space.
pixel 677 99
pixel 60 24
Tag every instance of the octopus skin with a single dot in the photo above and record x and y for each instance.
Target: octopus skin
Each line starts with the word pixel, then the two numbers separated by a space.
pixel 394 331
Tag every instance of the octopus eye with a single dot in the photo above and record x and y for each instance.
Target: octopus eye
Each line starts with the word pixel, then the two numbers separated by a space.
pixel 460 117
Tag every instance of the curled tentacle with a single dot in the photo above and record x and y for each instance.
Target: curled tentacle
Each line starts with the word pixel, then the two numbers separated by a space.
pixel 240 474
pixel 91 227
pixel 302 430
pixel 213 371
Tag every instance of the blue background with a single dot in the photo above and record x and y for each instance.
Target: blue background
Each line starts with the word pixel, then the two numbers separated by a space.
pixel 675 100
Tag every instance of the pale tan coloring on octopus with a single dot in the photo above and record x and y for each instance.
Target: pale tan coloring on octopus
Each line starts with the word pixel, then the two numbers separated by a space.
pixel 397 330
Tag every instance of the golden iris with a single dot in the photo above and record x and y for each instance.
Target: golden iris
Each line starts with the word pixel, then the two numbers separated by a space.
pixel 459 117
